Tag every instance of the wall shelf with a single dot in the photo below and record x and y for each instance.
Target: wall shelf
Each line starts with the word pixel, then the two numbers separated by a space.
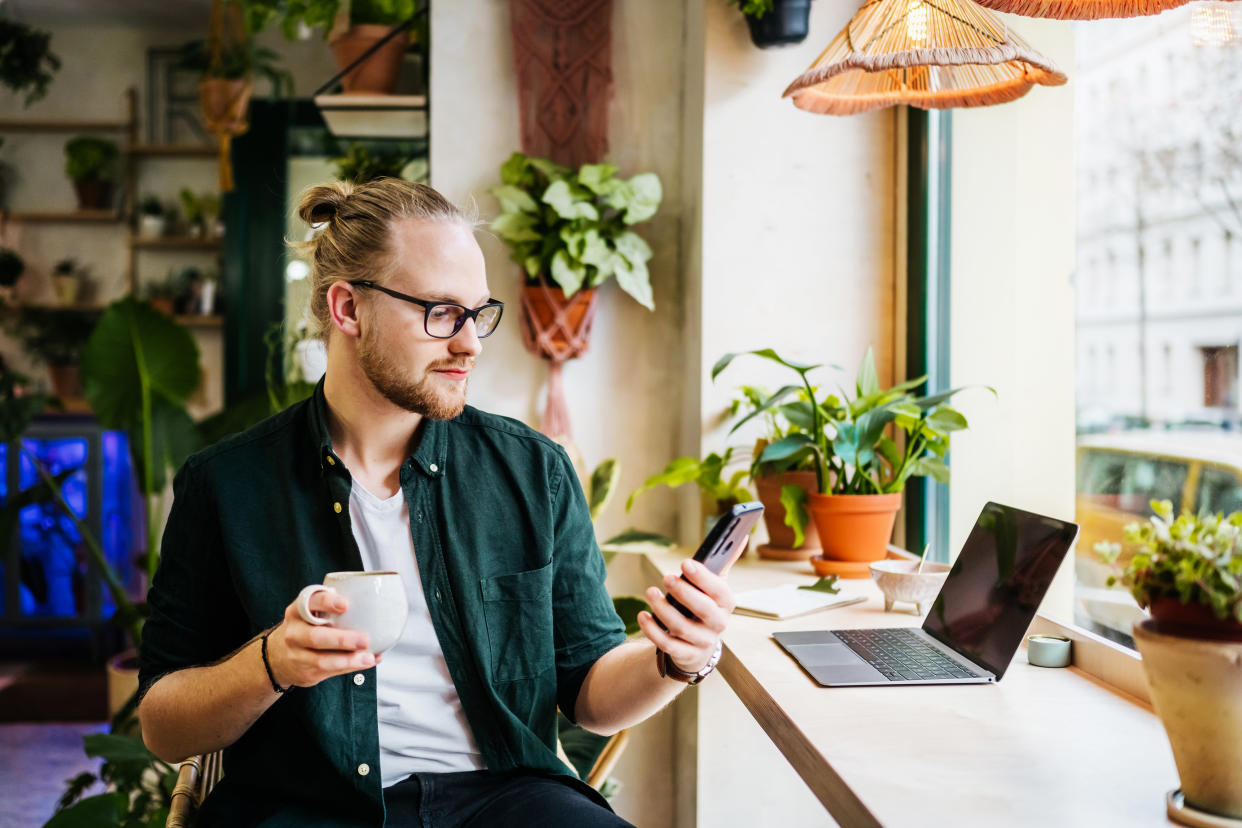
pixel 173 151
pixel 65 216
pixel 34 125
pixel 193 321
pixel 174 243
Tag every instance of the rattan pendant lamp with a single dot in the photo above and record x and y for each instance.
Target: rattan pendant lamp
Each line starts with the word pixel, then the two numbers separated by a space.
pixel 933 54
pixel 1082 9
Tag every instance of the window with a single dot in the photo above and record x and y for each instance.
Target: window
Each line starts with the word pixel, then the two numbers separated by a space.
pixel 1170 413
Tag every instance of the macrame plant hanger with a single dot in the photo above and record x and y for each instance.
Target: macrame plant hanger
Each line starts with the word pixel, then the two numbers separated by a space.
pixel 225 103
pixel 562 53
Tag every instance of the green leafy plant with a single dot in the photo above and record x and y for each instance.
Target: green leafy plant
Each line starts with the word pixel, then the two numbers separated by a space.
pixel 573 228
pixel 239 60
pixel 321 14
pixel 54 336
pixel 26 61
pixel 191 205
pixel 91 159
pixel 11 266
pixel 360 166
pixel 708 474
pixel 139 787
pixel 779 421
pixel 752 8
pixel 1195 559
pixel 151 206
pixel 138 369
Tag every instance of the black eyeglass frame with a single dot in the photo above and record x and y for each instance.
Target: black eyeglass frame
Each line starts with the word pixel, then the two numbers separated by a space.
pixel 466 313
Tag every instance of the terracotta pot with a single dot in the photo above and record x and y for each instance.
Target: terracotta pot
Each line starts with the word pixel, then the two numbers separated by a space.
pixel 66 381
pixel 163 304
pixel 378 73
pixel 1172 617
pixel 854 531
pixel 225 104
pixel 780 545
pixel 1196 688
pixel 541 305
pixel 93 194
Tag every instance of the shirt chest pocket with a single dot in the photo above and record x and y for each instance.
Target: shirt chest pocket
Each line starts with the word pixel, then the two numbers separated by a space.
pixel 517 609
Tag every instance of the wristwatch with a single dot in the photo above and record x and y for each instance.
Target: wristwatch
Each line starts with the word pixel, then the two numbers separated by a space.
pixel 670 670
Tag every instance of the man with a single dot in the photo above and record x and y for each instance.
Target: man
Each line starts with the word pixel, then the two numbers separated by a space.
pixel 386 468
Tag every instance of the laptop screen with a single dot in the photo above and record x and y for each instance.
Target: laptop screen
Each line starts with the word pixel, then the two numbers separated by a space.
pixel 990 596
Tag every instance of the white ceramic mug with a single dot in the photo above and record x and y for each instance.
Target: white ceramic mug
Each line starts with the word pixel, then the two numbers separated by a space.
pixel 377 605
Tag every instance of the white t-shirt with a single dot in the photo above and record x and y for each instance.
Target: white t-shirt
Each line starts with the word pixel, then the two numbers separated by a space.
pixel 421 723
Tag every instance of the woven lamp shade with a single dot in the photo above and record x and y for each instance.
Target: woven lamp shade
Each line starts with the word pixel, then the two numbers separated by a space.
pixel 1082 9
pixel 933 54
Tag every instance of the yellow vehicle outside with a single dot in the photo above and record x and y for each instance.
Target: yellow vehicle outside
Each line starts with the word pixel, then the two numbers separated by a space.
pixel 1118 477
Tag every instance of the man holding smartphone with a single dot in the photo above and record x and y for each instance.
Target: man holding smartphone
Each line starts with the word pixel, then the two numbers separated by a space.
pixel 385 467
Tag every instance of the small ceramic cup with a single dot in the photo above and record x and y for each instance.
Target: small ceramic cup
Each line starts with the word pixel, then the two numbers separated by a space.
pixel 1048 650
pixel 377 605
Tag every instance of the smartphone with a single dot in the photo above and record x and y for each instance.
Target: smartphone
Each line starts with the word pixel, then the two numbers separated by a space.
pixel 724 543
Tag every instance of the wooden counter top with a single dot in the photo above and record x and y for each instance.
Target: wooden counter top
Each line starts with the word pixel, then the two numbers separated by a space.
pixel 1042 747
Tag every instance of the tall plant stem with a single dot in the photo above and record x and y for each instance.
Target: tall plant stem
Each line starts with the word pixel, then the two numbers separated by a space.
pixel 115 587
pixel 148 461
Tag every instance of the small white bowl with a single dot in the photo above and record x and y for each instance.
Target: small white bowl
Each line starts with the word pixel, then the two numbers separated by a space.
pixel 899 581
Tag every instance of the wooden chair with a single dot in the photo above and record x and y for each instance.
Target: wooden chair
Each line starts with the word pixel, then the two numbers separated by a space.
pixel 199 774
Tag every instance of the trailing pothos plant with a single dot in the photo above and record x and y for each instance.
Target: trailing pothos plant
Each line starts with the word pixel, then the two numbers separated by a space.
pixel 871 443
pixel 572 228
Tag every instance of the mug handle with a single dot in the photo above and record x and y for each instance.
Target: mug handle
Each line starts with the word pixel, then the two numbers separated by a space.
pixel 303 605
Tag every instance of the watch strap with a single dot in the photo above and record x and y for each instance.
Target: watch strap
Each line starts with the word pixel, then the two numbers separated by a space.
pixel 668 669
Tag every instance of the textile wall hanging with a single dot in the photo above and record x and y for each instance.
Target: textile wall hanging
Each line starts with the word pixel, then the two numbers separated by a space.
pixel 562 54
pixel 933 54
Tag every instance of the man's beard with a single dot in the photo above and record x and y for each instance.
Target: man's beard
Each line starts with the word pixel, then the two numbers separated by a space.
pixel 419 397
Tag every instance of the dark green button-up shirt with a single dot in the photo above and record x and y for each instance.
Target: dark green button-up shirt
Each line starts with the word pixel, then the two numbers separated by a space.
pixel 509 565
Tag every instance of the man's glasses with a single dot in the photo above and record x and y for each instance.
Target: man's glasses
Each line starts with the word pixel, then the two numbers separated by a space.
pixel 442 320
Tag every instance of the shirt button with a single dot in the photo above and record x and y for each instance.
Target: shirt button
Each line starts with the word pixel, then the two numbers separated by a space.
pixel 336 507
pixel 434 467
pixel 359 678
pixel 364 769
pixel 331 462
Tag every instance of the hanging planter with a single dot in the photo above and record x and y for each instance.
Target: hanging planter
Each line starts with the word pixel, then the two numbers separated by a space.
pixel 777 22
pixel 570 231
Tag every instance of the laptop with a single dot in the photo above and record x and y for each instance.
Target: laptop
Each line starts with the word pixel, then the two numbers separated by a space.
pixel 976 623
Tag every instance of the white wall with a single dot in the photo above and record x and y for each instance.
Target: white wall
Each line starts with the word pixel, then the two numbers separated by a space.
pixel 1012 303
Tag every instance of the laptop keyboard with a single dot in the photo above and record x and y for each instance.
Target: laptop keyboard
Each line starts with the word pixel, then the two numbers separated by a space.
pixel 902 655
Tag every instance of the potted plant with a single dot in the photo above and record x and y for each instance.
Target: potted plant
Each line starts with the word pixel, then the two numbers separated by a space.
pixel 26 61
pixel 864 450
pixel 781 485
pixel 775 22
pixel 67 281
pixel 368 22
pixel 719 493
pixel 152 217
pixel 360 166
pixel 91 164
pixel 11 267
pixel 162 295
pixel 209 205
pixel 1188 573
pixel 192 208
pixel 227 81
pixel 572 230
pixel 55 337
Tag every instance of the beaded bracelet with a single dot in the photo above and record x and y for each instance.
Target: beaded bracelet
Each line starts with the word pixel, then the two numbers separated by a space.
pixel 268 665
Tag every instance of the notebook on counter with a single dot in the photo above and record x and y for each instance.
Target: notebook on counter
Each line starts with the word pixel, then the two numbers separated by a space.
pixel 788 601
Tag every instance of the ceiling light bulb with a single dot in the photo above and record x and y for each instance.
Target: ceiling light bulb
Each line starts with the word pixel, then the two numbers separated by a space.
pixel 1211 24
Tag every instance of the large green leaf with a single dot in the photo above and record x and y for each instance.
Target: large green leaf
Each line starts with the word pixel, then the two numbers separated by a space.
pixel 787 447
pixel 794 500
pixel 515 227
pixel 517 172
pixel 596 252
pixel 646 194
pixel 677 473
pixel 634 279
pixel 633 247
pixel 637 537
pixel 945 419
pixel 868 382
pixel 603 482
pixel 767 404
pixel 598 178
pixel 515 200
pixel 135 345
pixel 628 607
pixel 766 353
pixel 102 811
pixel 175 436
pixel 567 273
pixel 567 205
pixel 117 749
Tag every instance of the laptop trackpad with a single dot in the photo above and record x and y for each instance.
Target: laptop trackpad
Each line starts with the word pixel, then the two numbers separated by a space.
pixel 824 655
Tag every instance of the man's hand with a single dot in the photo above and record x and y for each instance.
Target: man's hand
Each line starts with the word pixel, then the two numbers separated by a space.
pixel 304 654
pixel 690 643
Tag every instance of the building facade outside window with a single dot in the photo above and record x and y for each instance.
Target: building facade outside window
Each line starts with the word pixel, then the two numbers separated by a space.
pixel 1158 142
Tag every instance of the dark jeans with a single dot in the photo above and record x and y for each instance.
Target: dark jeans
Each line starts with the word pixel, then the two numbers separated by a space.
pixel 495 800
